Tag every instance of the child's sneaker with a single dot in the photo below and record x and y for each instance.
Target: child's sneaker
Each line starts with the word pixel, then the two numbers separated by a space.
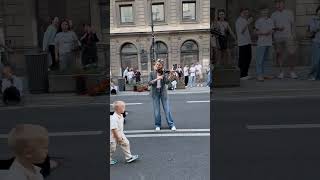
pixel 157 128
pixel 133 158
pixel 113 162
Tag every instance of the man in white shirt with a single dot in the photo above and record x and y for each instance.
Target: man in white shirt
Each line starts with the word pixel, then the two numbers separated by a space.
pixel 284 36
pixel 192 71
pixel 264 29
pixel 244 42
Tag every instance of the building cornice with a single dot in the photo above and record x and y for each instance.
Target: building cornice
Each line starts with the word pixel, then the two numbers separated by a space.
pixel 159 32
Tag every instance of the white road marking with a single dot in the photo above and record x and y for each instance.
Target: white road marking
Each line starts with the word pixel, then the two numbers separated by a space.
pixel 165 130
pixel 49 106
pixel 128 104
pixel 207 101
pixel 264 97
pixel 283 126
pixel 168 135
pixel 64 134
pixel 133 133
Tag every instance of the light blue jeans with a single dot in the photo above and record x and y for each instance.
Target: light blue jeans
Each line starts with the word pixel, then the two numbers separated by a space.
pixel 209 78
pixel 315 60
pixel 262 53
pixel 166 108
pixel 192 81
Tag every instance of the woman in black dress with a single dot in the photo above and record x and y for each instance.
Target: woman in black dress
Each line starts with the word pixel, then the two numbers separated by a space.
pixel 89 46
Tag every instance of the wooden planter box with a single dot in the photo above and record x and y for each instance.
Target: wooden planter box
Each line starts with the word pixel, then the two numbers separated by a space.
pixel 226 77
pixel 67 82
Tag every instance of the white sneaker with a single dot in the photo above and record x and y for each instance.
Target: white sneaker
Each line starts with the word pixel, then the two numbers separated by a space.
pixel 293 75
pixel 157 128
pixel 173 128
pixel 281 75
pixel 245 78
pixel 312 79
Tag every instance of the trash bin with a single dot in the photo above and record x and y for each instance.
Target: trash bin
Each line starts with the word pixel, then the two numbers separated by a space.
pixel 122 84
pixel 37 72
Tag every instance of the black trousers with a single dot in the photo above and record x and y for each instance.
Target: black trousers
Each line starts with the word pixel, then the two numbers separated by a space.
pixel 53 56
pixel 245 56
pixel 11 94
pixel 186 80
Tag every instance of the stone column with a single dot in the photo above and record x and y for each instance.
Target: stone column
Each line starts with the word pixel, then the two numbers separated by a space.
pixel 30 24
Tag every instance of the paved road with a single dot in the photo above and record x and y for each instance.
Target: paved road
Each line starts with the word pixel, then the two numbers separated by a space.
pixel 266 139
pixel 182 157
pixel 78 134
pixel 84 154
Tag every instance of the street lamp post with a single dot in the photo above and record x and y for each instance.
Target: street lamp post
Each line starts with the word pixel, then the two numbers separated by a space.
pixel 152 33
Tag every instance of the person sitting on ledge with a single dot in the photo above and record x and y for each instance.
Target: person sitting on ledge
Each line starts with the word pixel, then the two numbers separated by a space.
pixel 11 87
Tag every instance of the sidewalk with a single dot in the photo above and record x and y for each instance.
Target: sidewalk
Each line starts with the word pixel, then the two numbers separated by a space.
pixel 274 87
pixel 71 99
pixel 194 90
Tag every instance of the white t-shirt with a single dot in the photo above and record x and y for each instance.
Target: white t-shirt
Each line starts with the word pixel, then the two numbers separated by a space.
pixel 192 71
pixel 243 38
pixel 125 73
pixel 198 69
pixel 186 71
pixel 116 122
pixel 130 74
pixel 18 172
pixel 264 25
pixel 284 19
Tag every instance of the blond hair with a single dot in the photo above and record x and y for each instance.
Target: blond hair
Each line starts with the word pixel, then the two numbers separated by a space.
pixel 24 136
pixel 117 104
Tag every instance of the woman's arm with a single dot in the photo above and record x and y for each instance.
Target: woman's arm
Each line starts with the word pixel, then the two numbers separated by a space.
pixel 151 81
pixel 231 32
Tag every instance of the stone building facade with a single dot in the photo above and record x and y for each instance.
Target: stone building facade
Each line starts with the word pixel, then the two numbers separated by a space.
pixel 181 29
pixel 23 23
pixel 302 9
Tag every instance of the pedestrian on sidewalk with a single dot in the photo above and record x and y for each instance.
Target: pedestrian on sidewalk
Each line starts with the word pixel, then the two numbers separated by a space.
pixel 117 136
pixel 244 42
pixel 285 37
pixel 314 28
pixel 66 43
pixel 192 79
pixel 179 71
pixel 158 79
pixel 89 47
pixel 186 75
pixel 125 75
pixel 264 29
pixel 209 76
pixel 224 30
pixel 137 75
pixel 130 76
pixel 48 44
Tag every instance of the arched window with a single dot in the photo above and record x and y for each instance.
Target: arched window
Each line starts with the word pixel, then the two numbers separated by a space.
pixel 189 53
pixel 161 51
pixel 129 56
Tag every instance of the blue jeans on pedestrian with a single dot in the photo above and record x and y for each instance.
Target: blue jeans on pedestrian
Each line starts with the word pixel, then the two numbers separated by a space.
pixel 262 53
pixel 192 81
pixel 209 79
pixel 166 108
pixel 315 60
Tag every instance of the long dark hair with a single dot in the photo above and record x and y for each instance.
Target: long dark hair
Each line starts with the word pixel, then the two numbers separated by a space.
pixel 60 24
